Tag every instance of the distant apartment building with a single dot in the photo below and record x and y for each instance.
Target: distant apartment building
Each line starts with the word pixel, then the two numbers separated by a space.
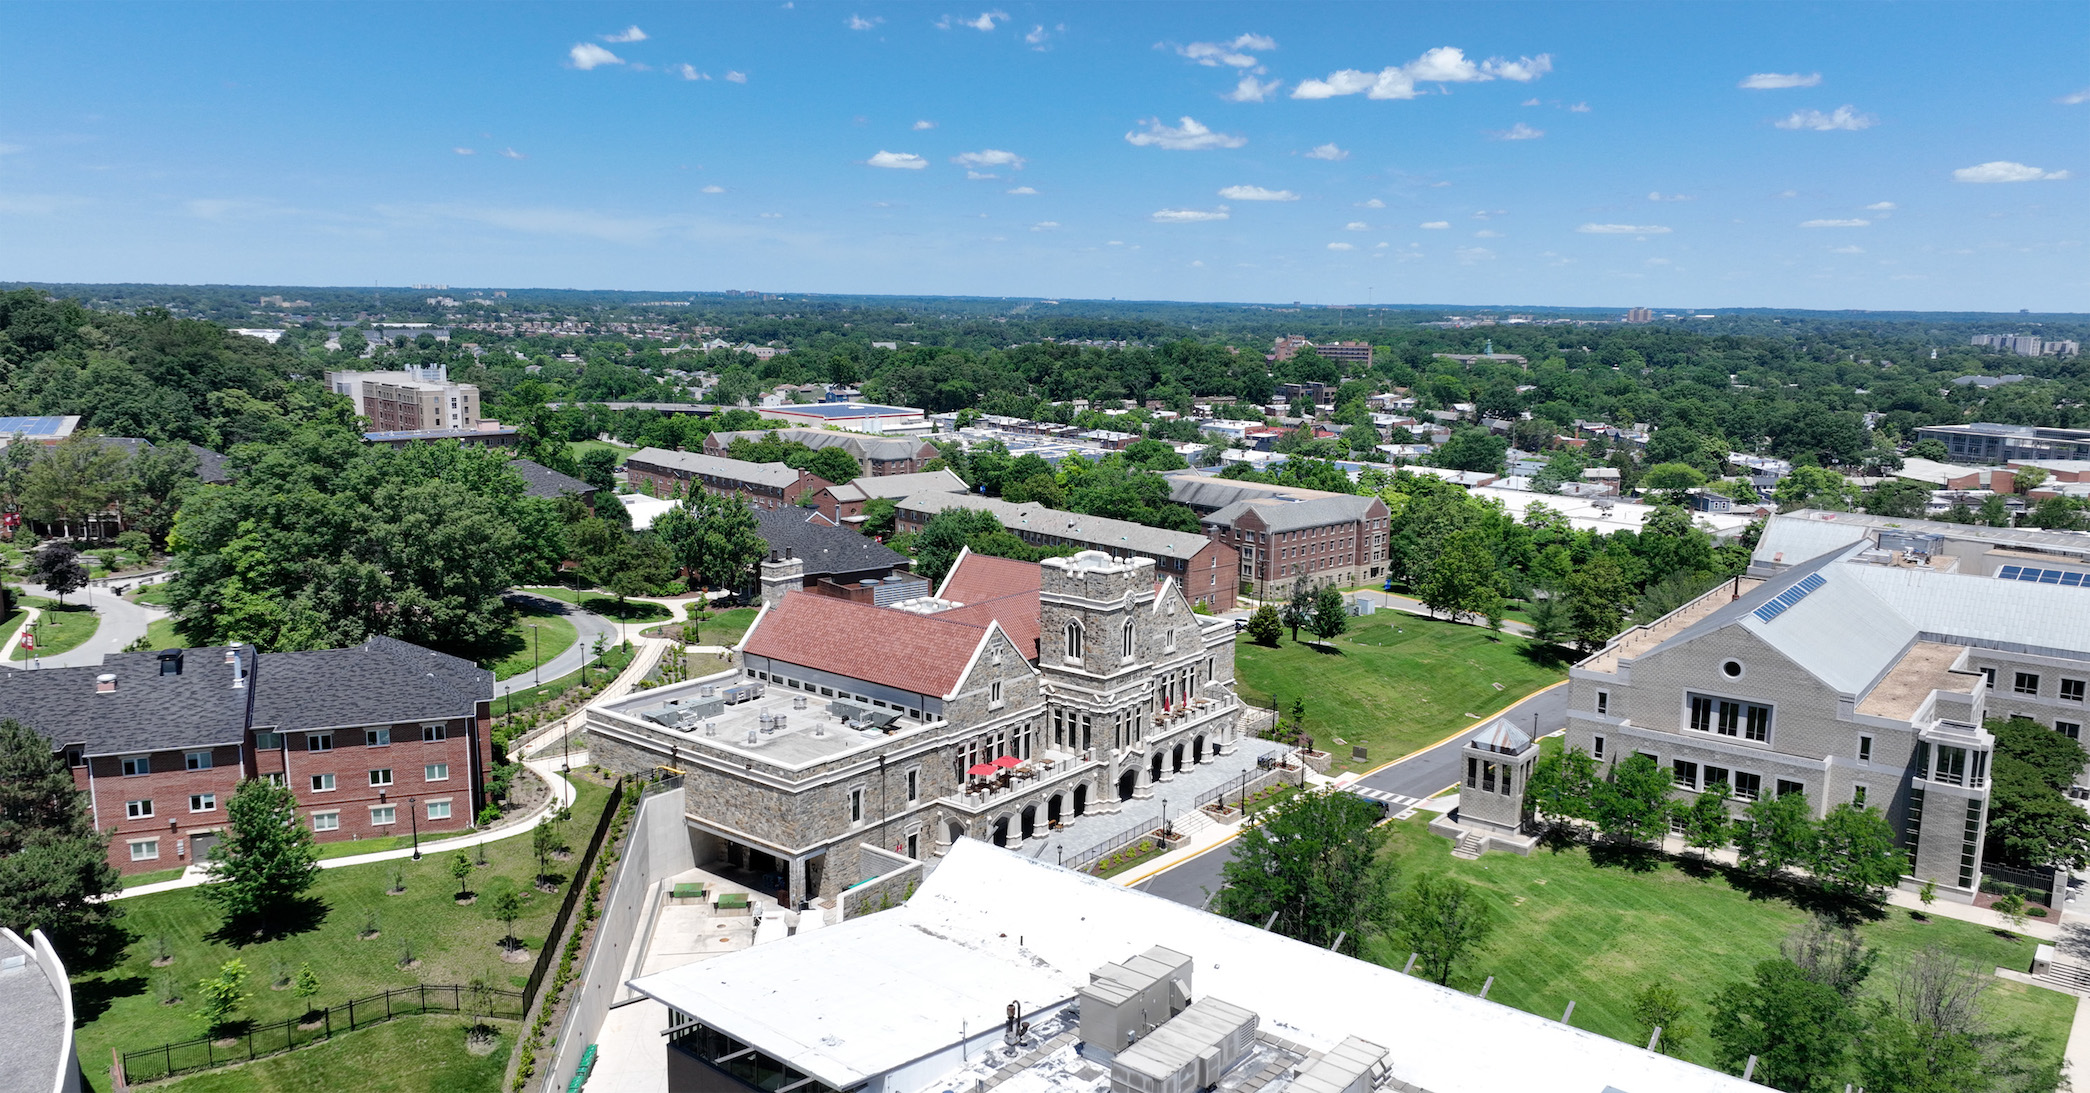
pixel 375 740
pixel 1640 315
pixel 663 473
pixel 2029 345
pixel 414 399
pixel 877 455
pixel 1204 568
pixel 844 504
pixel 1988 442
pixel 1287 347
pixel 1285 540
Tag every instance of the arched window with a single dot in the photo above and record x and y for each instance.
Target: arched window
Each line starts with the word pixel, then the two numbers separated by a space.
pixel 1128 642
pixel 1073 641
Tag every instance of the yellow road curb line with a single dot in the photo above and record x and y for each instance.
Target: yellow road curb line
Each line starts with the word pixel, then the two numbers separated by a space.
pixel 1183 860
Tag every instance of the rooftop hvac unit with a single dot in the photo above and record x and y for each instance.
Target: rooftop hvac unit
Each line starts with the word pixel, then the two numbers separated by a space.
pixel 706 691
pixel 798 702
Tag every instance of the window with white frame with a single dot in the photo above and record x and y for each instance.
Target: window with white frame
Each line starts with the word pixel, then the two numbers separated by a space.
pixel 326 821
pixel 2072 690
pixel 381 776
pixel 380 815
pixel 138 810
pixel 137 764
pixel 1988 678
pixel 268 741
pixel 439 810
pixel 1603 703
pixel 1126 653
pixel 1597 747
pixel 1686 773
pixel 432 733
pixel 1858 796
pixel 322 783
pixel 319 741
pixel 994 695
pixel 436 772
pixel 2070 729
pixel 1865 748
pixel 914 785
pixel 196 760
pixel 1786 788
pixel 2025 683
pixel 203 802
pixel 1073 641
pixel 856 806
pixel 274 778
pixel 1747 786
pixel 378 738
pixel 145 849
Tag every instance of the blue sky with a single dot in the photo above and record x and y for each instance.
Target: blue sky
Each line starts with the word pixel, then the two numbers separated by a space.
pixel 1678 155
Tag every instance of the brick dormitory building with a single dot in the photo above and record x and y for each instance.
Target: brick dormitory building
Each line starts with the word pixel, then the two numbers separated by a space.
pixel 663 473
pixel 378 739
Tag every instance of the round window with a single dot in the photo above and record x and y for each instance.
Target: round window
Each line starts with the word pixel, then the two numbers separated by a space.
pixel 1733 668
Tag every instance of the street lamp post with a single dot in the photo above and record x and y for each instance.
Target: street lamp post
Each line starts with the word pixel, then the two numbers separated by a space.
pixel 413 815
pixel 1164 818
pixel 536 663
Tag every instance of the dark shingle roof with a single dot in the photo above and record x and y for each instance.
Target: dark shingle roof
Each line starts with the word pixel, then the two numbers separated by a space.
pixel 382 680
pixel 541 481
pixel 826 549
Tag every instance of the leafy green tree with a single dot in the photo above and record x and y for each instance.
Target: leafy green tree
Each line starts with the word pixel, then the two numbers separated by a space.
pixel 879 517
pixel 598 468
pixel 1264 627
pixel 81 475
pixel 1153 455
pixel 54 866
pixel 1563 785
pixel 460 870
pixel 834 464
pixel 1331 615
pixel 1933 450
pixel 1659 1005
pixel 1932 1034
pixel 544 839
pixel 1548 619
pixel 1854 852
pixel 2031 820
pixel 1442 920
pixel 1705 822
pixel 306 985
pixel 1298 611
pixel 936 547
pixel 57 567
pixel 1774 833
pixel 1815 488
pixel 1597 595
pixel 158 480
pixel 266 860
pixel 1314 861
pixel 1472 449
pixel 714 538
pixel 1899 498
pixel 1799 1030
pixel 507 907
pixel 1461 581
pixel 1673 476
pixel 221 996
pixel 1632 805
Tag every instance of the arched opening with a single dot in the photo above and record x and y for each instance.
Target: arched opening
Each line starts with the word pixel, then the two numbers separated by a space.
pixel 1074 640
pixel 1081 800
pixel 1030 820
pixel 1001 831
pixel 1158 760
pixel 1197 748
pixel 1127 651
pixel 1178 766
pixel 1128 783
pixel 1052 809
pixel 955 831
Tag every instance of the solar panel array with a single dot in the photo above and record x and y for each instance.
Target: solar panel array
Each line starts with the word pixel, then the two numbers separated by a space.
pixel 1790 596
pixel 31 426
pixel 2043 576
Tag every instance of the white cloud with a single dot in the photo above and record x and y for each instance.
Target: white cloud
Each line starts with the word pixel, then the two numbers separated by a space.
pixel 12 149
pixel 459 151
pixel 1357 226
pixel 1772 81
pixel 1434 225
pixel 1238 53
pixel 1835 223
pixel 1024 191
pixel 1188 137
pixel 1444 64
pixel 772 216
pixel 2077 99
pixel 858 22
pixel 513 154
pixel 689 72
pixel 1660 196
pixel 628 34
pixel 1037 35
pixel 1579 108
pixel 1251 89
pixel 989 157
pixel 902 161
pixel 1341 246
pixel 1486 233
pixel 985 22
pixel 1519 131
pixel 1881 207
pixel 1374 203
pixel 979 175
pixel 736 77
pixel 1844 117
pixel 1188 216
pixel 2003 170
pixel 1623 229
pixel 588 55
pixel 1470 255
pixel 1328 152
pixel 924 124
pixel 1044 225
pixel 1256 193
pixel 1846 250
pixel 1381 246
pixel 1787 193
pixel 713 190
pixel 1533 101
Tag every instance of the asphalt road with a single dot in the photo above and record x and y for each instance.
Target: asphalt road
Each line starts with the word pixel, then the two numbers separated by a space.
pixel 586 626
pixel 1414 776
pixel 122 622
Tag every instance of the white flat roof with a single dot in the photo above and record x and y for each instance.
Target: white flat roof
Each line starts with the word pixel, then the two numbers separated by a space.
pixel 860 999
pixel 1586 514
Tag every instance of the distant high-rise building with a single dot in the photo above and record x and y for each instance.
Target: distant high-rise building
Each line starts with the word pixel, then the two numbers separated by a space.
pixel 2028 345
pixel 415 398
pixel 1640 315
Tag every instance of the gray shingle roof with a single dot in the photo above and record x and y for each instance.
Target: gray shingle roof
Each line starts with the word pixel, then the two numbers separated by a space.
pixel 1283 515
pixel 897 486
pixel 1097 531
pixel 541 481
pixel 827 550
pixel 1208 492
pixel 737 470
pixel 860 445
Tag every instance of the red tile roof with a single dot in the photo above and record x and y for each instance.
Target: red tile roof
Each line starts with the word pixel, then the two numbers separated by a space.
pixel 925 654
pixel 1017 613
pixel 979 577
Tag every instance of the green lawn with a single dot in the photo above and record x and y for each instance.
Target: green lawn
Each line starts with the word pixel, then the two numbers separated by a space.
pixel 726 627
pixel 155 594
pixel 607 665
pixel 603 604
pixel 403 1055
pixel 1395 682
pixel 120 1007
pixel 159 634
pixel 135 880
pixel 60 627
pixel 574 448
pixel 554 634
pixel 1570 930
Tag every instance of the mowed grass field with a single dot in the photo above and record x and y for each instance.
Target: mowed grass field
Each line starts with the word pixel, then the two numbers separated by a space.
pixel 523 650
pixel 121 1008
pixel 1570 930
pixel 1396 682
pixel 403 1055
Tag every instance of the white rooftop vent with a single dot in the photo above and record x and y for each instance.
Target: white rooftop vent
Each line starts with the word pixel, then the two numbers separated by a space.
pixel 105 683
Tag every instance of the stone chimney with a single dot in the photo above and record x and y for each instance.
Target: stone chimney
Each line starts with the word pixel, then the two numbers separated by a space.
pixel 780 574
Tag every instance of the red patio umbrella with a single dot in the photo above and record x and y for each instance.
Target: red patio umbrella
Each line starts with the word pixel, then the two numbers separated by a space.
pixel 981 770
pixel 1008 761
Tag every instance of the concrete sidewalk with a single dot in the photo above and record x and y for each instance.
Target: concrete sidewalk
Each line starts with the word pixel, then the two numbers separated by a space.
pixel 562 794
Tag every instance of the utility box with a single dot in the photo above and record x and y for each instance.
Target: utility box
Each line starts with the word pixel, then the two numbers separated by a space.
pixel 1123 1002
pixel 1188 1053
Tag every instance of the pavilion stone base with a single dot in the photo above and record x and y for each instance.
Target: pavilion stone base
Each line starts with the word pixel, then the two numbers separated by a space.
pixel 1491 837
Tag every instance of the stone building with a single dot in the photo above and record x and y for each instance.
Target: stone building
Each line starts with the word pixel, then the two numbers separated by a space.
pixel 850 727
pixel 1857 662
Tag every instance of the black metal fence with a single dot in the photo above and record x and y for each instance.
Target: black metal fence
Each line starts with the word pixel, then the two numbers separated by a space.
pixel 1276 770
pixel 547 953
pixel 1088 858
pixel 253 1041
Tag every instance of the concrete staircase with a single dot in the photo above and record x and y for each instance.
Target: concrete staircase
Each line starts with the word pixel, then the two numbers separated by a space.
pixel 2069 975
pixel 1471 845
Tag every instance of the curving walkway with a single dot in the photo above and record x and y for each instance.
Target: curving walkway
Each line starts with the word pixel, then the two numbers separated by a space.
pixel 587 626
pixel 122 622
pixel 562 794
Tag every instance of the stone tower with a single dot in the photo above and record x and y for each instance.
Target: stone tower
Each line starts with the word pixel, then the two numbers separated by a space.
pixel 1498 761
pixel 1095 639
